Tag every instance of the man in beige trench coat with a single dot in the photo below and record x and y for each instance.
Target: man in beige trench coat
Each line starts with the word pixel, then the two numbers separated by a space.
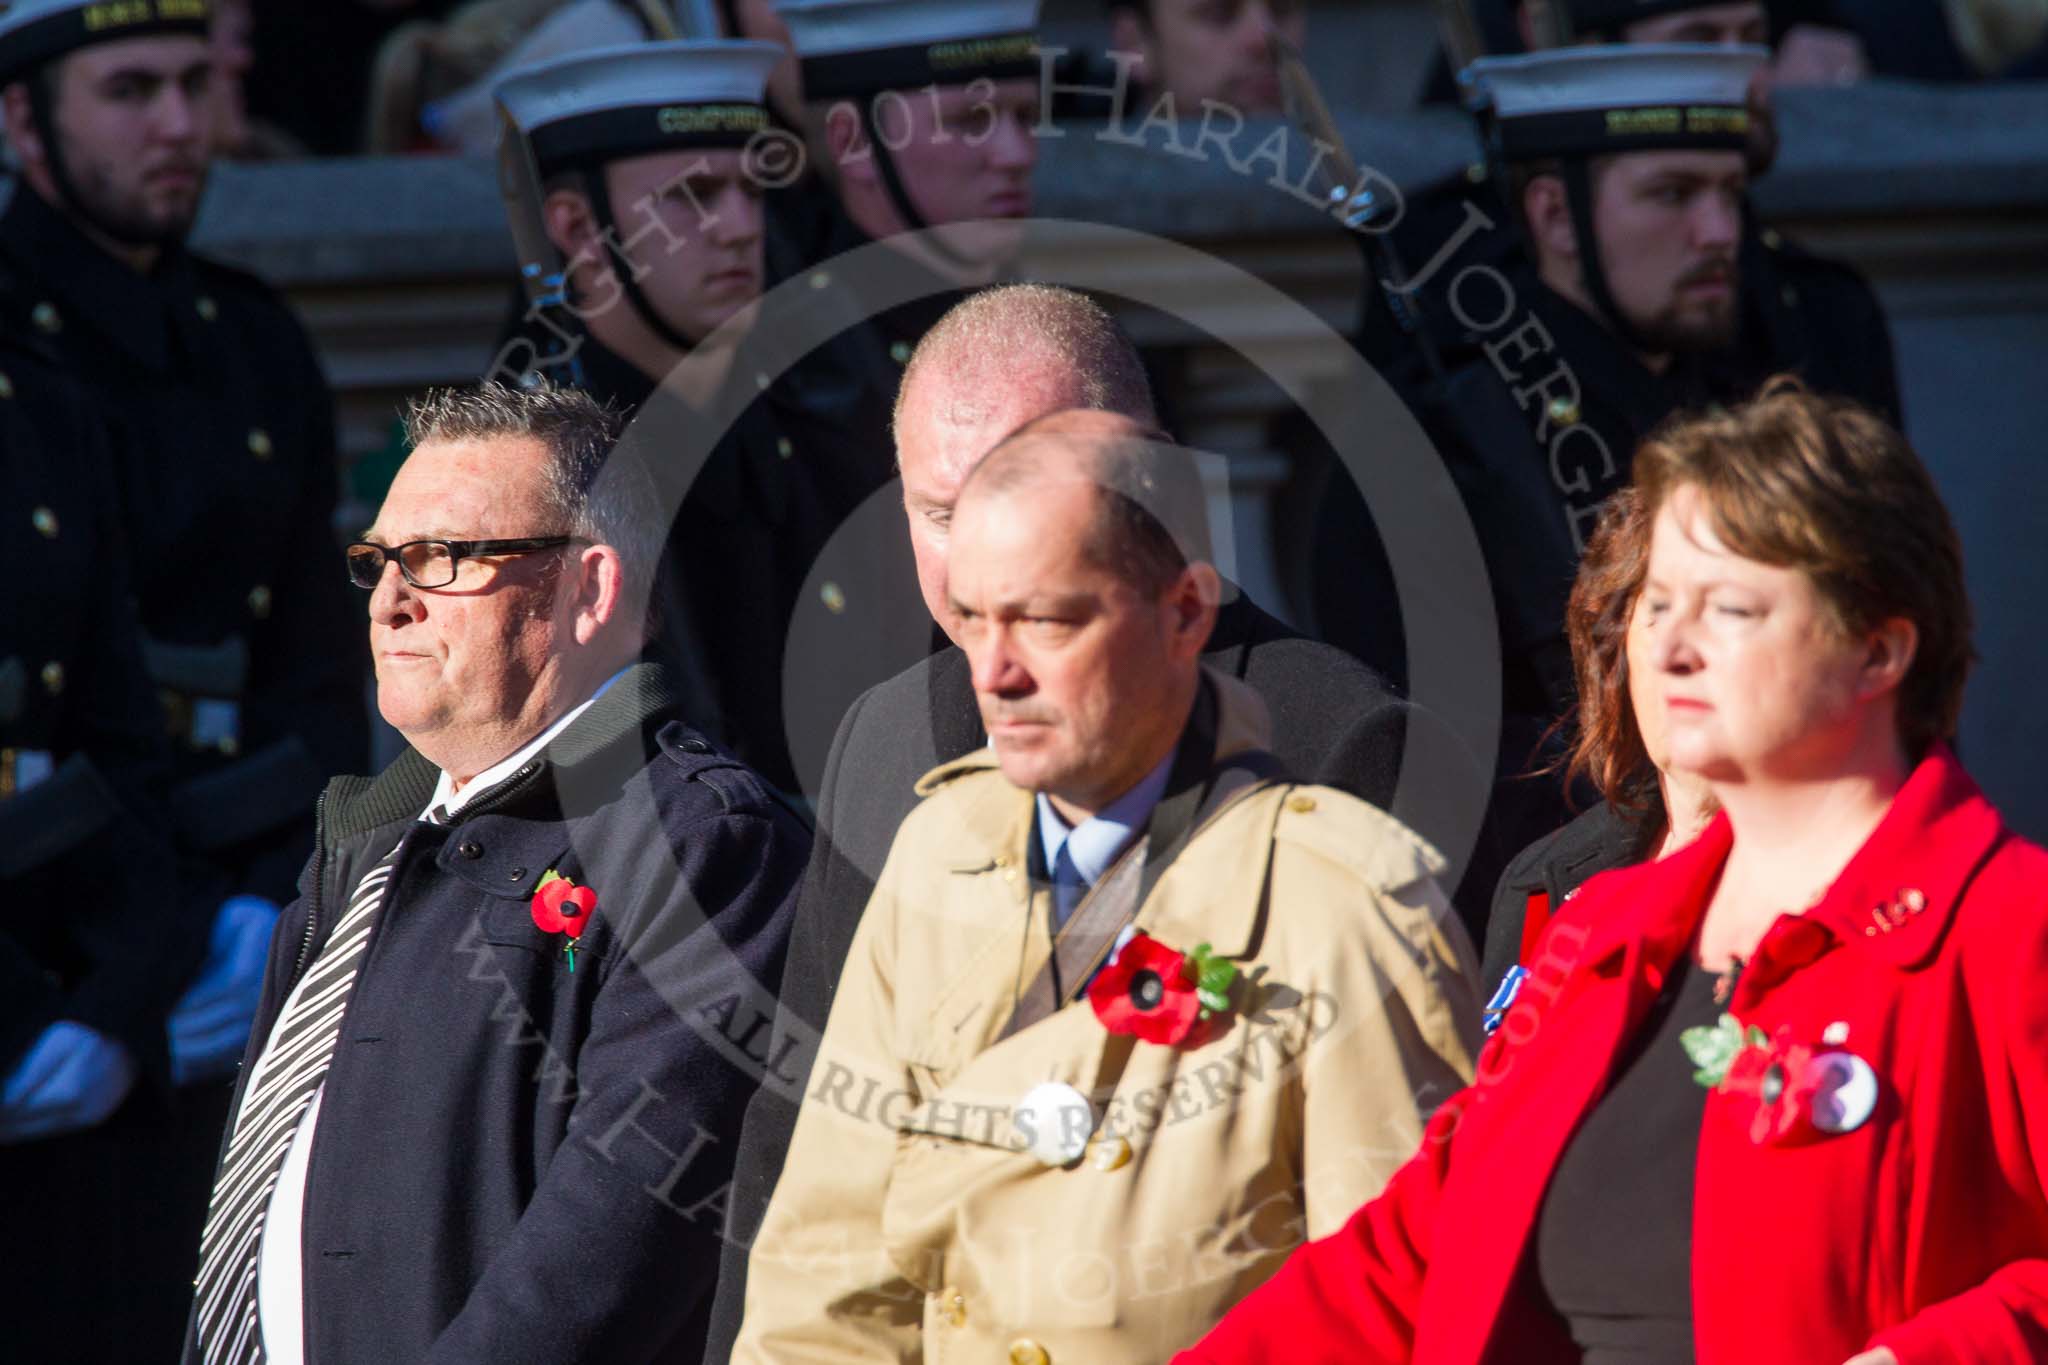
pixel 985 1168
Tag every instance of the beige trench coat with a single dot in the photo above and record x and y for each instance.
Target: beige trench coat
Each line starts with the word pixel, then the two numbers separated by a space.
pixel 910 1223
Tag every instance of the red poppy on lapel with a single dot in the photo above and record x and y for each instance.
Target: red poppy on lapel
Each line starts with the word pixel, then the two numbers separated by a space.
pixel 1160 994
pixel 560 906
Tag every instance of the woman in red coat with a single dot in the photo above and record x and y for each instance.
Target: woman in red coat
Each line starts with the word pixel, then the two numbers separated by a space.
pixel 1781 1096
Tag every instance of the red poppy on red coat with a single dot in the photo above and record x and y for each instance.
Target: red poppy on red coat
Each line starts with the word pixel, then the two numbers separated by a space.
pixel 1147 992
pixel 562 907
pixel 1801 1093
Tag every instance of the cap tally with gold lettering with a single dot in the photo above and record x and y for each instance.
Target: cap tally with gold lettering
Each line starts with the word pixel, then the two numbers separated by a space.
pixel 1599 101
pixel 615 102
pixel 862 47
pixel 34 33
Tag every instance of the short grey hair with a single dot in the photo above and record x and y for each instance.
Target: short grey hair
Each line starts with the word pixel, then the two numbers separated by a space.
pixel 1042 329
pixel 588 489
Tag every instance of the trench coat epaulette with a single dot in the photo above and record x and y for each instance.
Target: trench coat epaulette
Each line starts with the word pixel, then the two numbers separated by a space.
pixel 1356 835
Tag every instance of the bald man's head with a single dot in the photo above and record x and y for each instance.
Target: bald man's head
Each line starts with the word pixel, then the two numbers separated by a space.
pixel 998 360
pixel 1150 514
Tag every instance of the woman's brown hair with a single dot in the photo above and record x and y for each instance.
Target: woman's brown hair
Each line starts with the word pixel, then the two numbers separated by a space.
pixel 1824 486
pixel 1607 747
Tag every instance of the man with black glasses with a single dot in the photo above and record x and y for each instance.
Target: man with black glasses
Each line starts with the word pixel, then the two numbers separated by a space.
pixel 489 1100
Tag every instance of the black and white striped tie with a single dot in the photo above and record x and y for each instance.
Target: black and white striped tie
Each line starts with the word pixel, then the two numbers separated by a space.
pixel 283 1082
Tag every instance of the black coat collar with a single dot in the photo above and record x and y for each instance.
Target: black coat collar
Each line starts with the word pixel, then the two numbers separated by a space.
pixel 611 732
pixel 141 314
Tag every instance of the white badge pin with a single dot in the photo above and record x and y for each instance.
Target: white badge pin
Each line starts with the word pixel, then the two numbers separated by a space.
pixel 1054 1119
pixel 1844 1092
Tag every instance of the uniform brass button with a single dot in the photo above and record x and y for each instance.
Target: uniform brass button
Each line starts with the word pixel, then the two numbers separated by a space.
pixel 259 602
pixel 470 849
pixel 899 351
pixel 953 1307
pixel 44 520
pixel 53 677
pixel 259 443
pixel 208 309
pixel 1301 803
pixel 6 388
pixel 833 597
pixel 1772 239
pixel 1109 1154
pixel 1025 1351
pixel 783 447
pixel 1563 412
pixel 44 316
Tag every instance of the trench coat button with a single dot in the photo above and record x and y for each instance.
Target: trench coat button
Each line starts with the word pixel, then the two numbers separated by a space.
pixel 260 444
pixel 1301 803
pixel 53 677
pixel 208 310
pixel 44 520
pixel 899 351
pixel 1060 1120
pixel 6 387
pixel 470 849
pixel 783 447
pixel 259 602
pixel 1109 1154
pixel 1025 1351
pixel 834 598
pixel 46 318
pixel 515 874
pixel 953 1307
pixel 693 746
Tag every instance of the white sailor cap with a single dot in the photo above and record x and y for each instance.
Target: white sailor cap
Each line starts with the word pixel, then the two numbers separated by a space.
pixel 598 106
pixel 1596 101
pixel 36 32
pixel 861 47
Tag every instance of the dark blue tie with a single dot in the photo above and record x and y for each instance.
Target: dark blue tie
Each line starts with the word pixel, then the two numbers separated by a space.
pixel 1068 885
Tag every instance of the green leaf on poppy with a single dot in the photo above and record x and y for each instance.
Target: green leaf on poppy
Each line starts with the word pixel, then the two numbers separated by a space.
pixel 1713 1049
pixel 1213 978
pixel 549 876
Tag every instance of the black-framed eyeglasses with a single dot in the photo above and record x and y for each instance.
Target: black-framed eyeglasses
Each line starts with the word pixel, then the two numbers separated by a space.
pixel 432 563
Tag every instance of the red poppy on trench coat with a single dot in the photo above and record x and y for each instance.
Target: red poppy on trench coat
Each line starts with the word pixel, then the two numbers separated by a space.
pixel 1924 1229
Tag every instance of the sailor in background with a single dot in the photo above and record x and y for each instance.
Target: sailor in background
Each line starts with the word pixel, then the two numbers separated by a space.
pixel 921 114
pixel 640 226
pixel 222 444
pixel 98 943
pixel 222 427
pixel 1624 167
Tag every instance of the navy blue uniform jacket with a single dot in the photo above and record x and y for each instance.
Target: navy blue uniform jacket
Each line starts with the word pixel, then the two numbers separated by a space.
pixel 516 1161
